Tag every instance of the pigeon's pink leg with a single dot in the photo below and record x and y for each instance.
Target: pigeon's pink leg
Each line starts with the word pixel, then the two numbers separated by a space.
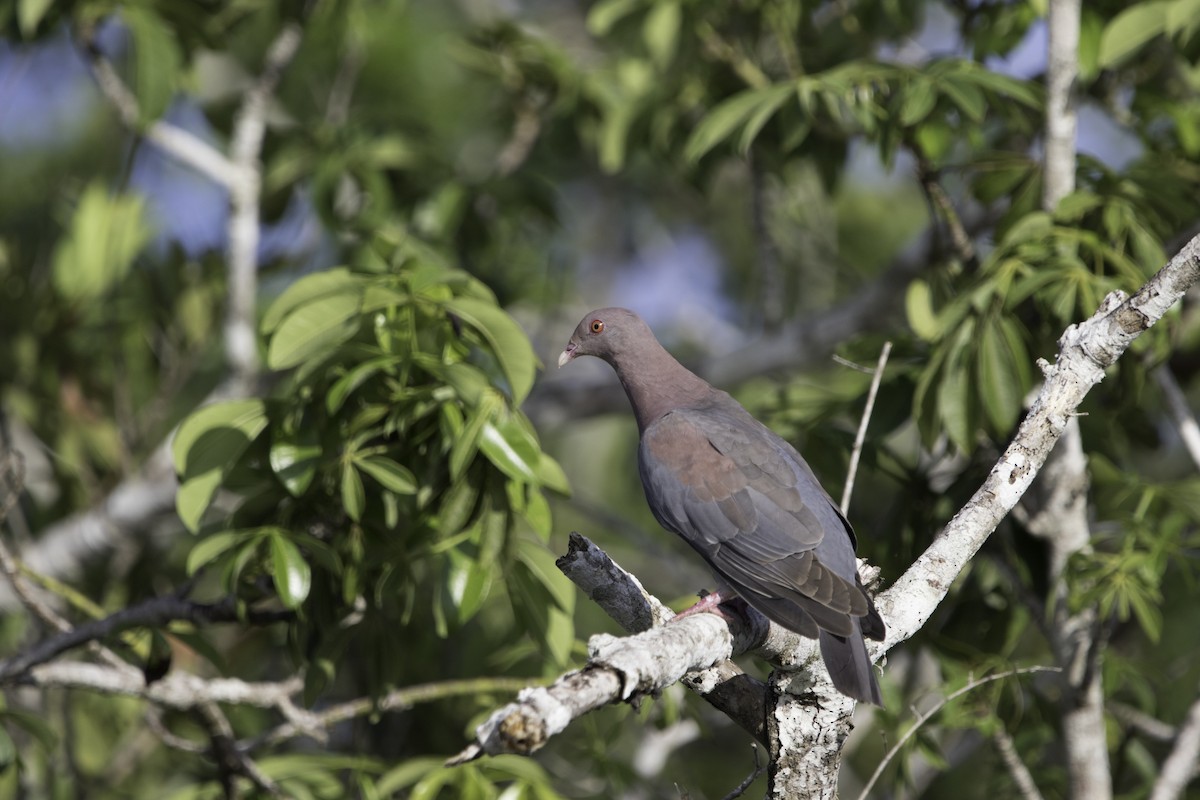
pixel 710 603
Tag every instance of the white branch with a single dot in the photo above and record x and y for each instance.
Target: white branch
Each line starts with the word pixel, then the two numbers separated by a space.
pixel 861 435
pixel 241 341
pixel 1180 766
pixel 1181 413
pixel 617 669
pixel 1086 351
pixel 179 690
pixel 1062 70
pixel 1016 767
pixel 185 147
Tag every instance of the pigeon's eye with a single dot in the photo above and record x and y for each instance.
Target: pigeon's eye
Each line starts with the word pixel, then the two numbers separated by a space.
pixel 597 326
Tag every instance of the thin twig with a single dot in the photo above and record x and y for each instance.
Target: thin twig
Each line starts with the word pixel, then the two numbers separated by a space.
pixel 156 611
pixel 1016 767
pixel 923 717
pixel 397 699
pixel 861 436
pixel 1140 721
pixel 750 779
pixel 1180 765
pixel 1177 407
pixel 940 202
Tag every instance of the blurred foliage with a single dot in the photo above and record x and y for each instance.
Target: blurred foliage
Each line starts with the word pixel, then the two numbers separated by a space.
pixel 456 161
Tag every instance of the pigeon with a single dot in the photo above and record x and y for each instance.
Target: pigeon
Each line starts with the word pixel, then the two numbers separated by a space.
pixel 742 497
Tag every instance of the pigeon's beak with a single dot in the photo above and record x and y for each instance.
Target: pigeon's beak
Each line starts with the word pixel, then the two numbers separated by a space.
pixel 566 355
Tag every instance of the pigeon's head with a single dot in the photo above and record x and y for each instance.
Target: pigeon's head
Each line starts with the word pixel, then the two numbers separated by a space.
pixel 607 333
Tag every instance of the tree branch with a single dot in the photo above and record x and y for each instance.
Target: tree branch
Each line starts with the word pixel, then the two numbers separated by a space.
pixel 1087 349
pixel 924 716
pixel 724 685
pixel 1180 767
pixel 241 340
pixel 1181 413
pixel 154 612
pixel 185 147
pixel 1016 767
pixel 861 435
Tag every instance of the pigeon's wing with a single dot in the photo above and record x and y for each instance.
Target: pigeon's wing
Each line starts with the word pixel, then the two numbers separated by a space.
pixel 746 502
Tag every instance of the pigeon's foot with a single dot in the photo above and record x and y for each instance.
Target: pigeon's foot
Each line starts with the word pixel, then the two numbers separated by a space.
pixel 712 602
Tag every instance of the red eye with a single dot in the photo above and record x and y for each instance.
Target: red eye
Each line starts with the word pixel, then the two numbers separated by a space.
pixel 597 326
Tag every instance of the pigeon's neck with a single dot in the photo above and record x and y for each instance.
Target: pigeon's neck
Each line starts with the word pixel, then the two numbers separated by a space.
pixel 656 384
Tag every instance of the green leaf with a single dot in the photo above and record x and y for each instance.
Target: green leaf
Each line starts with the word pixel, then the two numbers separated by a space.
pixel 294 458
pixel 505 338
pixel 157 59
pixel 719 124
pixel 354 497
pixel 468 582
pixel 537 514
pixel 457 505
pixel 292 574
pixel 313 329
pixel 310 288
pixel 346 385
pixel 8 751
pixel 107 232
pixel 773 99
pixel 550 474
pixel 510 449
pixel 604 15
pixel 207 446
pixel 660 32
pixel 30 13
pixel 999 382
pixel 918 100
pixel 918 304
pixel 954 406
pixel 391 475
pixel 33 724
pixel 966 96
pixel 205 551
pixel 465 445
pixel 1131 29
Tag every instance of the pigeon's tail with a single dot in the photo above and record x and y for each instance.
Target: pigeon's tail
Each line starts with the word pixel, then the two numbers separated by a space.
pixel 850 667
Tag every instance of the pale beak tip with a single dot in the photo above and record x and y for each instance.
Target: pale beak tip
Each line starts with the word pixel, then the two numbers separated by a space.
pixel 565 356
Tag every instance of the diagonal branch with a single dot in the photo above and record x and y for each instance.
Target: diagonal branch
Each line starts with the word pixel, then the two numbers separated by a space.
pixel 620 669
pixel 154 612
pixel 182 145
pixel 1086 351
pixel 1180 767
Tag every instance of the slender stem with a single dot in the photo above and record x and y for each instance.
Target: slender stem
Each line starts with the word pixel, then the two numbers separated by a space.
pixel 861 436
pixel 923 717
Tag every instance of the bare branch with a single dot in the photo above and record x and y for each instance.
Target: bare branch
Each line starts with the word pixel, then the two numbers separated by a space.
pixel 178 690
pixel 617 669
pixel 306 723
pixel 156 611
pixel 62 548
pixel 1180 767
pixel 861 436
pixel 924 716
pixel 1181 413
pixel 1141 721
pixel 1062 70
pixel 185 147
pixel 724 685
pixel 1086 351
pixel 1016 767
pixel 241 341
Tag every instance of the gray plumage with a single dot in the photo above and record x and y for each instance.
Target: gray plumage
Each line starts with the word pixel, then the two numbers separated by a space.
pixel 742 497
